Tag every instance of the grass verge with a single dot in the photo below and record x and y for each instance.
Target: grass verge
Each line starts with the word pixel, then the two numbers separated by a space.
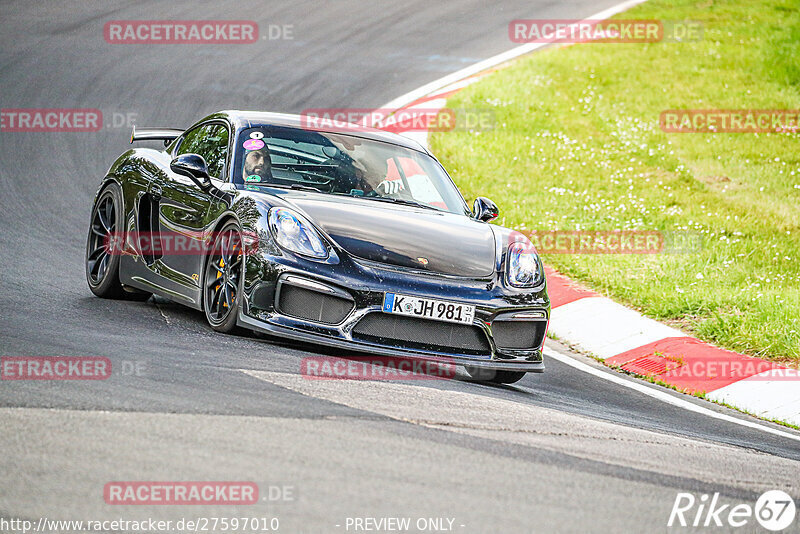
pixel 577 146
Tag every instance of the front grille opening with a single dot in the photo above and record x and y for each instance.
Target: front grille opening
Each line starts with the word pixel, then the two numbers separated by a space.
pixel 314 306
pixel 422 334
pixel 519 335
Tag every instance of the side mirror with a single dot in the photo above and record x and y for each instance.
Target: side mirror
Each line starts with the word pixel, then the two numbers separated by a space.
pixel 194 167
pixel 484 209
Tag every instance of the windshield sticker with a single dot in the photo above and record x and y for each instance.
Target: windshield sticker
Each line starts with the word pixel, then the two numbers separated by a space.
pixel 256 135
pixel 252 178
pixel 253 144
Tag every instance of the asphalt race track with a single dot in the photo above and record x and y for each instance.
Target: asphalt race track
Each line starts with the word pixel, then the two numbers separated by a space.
pixel 561 451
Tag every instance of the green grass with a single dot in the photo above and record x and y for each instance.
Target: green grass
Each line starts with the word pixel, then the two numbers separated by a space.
pixel 577 146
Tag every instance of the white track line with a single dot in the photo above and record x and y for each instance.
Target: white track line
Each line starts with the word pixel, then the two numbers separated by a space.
pixel 499 59
pixel 660 394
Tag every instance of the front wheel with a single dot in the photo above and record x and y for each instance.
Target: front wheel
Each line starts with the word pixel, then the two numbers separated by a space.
pixel 493 376
pixel 223 279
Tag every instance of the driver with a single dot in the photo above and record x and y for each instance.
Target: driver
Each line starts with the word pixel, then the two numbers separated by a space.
pixel 257 165
pixel 368 169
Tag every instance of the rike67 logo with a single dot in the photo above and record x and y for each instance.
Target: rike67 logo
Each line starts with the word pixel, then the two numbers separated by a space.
pixel 774 510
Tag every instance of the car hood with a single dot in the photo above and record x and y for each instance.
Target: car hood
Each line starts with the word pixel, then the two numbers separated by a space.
pixel 404 236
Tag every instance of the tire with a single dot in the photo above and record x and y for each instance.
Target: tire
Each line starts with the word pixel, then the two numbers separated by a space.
pixel 222 282
pixel 492 376
pixel 102 265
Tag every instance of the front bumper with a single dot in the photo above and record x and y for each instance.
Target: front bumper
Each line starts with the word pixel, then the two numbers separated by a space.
pixel 531 363
pixel 365 284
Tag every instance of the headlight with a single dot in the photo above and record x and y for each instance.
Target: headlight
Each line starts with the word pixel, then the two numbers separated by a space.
pixel 522 265
pixel 293 232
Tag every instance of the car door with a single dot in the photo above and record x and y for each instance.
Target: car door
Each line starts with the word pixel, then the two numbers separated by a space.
pixel 183 207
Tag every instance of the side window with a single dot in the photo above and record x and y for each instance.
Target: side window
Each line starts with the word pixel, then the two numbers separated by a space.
pixel 209 141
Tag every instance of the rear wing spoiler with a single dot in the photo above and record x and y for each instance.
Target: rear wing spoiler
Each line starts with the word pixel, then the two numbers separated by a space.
pixel 155 134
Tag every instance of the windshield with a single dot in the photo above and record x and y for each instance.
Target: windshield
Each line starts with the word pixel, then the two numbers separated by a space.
pixel 340 164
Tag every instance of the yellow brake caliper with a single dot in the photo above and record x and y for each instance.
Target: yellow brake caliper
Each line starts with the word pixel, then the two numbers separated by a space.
pixel 232 251
pixel 219 275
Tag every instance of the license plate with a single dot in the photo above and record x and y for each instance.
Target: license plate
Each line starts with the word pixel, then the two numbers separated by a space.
pixel 438 310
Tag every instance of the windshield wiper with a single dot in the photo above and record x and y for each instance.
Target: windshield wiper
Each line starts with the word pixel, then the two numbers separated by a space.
pixel 403 201
pixel 298 187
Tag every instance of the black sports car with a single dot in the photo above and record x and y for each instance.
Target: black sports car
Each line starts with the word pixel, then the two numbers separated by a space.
pixel 350 237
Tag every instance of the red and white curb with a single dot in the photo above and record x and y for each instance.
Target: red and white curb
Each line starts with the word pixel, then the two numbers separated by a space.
pixel 622 337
